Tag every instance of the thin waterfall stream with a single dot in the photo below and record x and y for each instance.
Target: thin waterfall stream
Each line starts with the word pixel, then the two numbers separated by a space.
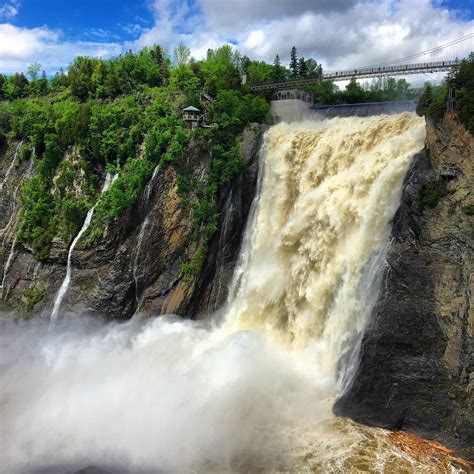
pixel 138 251
pixel 12 164
pixel 11 226
pixel 109 179
pixel 7 266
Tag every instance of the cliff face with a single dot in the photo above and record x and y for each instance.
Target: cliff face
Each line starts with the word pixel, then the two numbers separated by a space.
pixel 137 264
pixel 417 361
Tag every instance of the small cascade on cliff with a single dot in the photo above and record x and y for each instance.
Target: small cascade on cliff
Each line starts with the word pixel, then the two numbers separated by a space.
pixel 6 268
pixel 4 233
pixel 12 164
pixel 10 229
pixel 250 390
pixel 109 179
pixel 138 249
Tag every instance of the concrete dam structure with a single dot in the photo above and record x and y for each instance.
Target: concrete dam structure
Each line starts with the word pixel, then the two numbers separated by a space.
pixel 365 109
pixel 294 106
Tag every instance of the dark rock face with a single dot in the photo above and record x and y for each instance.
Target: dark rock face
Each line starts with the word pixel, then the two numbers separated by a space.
pixel 234 203
pixel 137 265
pixel 416 368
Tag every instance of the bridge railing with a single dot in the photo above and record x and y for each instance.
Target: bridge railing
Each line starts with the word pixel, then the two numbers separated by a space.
pixel 365 72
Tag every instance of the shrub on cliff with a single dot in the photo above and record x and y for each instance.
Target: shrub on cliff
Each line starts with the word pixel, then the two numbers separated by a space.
pixel 431 192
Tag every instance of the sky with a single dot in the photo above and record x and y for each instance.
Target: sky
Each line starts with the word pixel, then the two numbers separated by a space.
pixel 337 33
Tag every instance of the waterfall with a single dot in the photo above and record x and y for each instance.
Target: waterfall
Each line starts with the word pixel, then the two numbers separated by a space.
pixel 12 163
pixel 136 260
pixel 250 390
pixel 313 258
pixel 138 248
pixel 109 179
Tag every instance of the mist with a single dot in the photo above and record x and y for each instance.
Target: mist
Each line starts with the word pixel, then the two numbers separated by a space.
pixel 162 394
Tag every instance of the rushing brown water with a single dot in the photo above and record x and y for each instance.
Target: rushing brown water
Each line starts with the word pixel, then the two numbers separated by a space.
pixel 251 390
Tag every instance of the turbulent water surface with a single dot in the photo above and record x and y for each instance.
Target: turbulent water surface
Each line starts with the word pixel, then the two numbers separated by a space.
pixel 252 388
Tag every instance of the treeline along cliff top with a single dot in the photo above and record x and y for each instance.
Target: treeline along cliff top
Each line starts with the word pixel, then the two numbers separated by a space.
pixel 124 115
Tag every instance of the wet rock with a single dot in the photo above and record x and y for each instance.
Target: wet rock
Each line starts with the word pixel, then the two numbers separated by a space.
pixel 136 267
pixel 416 368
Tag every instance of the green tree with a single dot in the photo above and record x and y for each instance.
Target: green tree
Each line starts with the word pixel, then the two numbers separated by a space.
pixel 259 72
pixel 293 62
pixel 462 82
pixel 182 54
pixel 220 69
pixel 425 101
pixel 278 70
pixel 302 68
pixel 33 71
pixel 354 92
pixel 244 64
pixel 16 86
pixel 3 81
pixel 313 68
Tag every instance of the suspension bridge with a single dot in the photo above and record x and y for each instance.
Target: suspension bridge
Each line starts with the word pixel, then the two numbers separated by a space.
pixel 398 67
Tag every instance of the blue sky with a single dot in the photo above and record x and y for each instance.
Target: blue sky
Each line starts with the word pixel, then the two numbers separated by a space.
pixel 87 19
pixel 338 33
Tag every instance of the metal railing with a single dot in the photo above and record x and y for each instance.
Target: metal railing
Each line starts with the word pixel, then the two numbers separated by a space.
pixel 365 72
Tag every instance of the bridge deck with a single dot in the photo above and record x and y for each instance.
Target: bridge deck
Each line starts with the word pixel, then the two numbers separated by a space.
pixel 378 71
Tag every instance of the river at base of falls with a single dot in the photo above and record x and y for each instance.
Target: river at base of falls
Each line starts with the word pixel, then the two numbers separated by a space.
pixel 251 389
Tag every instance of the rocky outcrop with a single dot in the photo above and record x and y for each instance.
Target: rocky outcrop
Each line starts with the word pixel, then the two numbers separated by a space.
pixel 234 203
pixel 137 265
pixel 416 368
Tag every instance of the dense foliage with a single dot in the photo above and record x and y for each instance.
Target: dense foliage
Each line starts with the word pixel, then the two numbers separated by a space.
pixel 121 115
pixel 462 82
pixel 434 101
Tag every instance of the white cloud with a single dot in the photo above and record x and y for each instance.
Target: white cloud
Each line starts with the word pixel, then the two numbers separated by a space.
pixel 18 44
pixel 231 16
pixel 366 33
pixel 9 10
pixel 337 33
pixel 20 47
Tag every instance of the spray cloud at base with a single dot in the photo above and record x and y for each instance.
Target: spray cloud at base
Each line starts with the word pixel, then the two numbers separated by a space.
pixel 255 389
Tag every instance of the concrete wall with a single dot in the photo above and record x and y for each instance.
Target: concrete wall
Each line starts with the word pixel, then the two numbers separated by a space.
pixel 366 109
pixel 294 110
pixel 290 110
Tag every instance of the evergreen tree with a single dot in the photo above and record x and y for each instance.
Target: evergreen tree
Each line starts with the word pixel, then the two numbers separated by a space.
pixel 294 62
pixel 244 64
pixel 425 101
pixel 302 68
pixel 3 81
pixel 159 58
pixel 278 70
pixel 43 83
pixel 313 68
